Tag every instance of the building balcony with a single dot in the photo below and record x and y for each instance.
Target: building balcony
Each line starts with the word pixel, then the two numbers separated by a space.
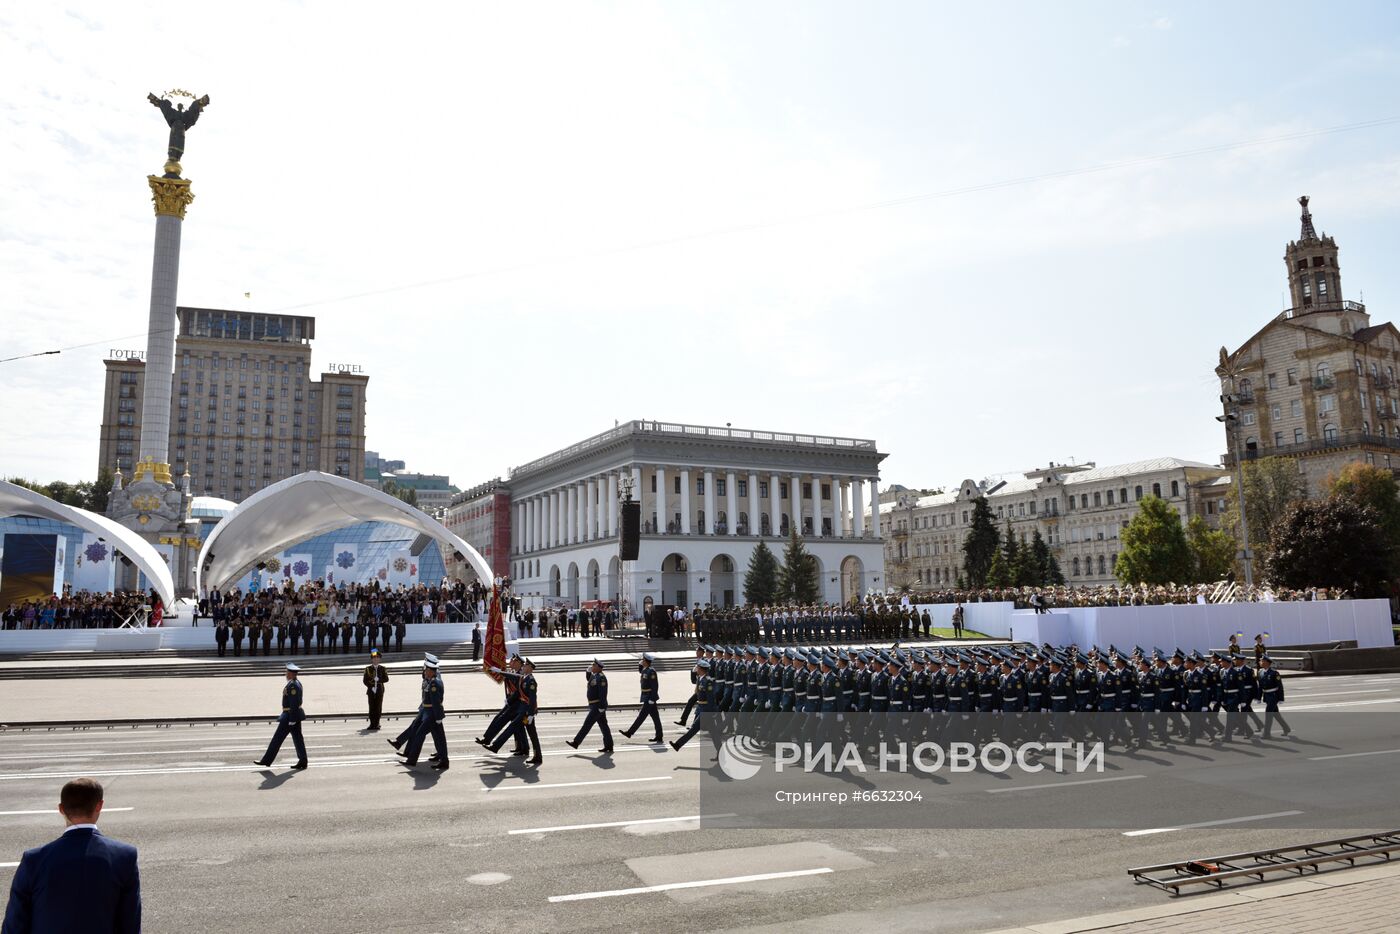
pixel 1341 439
pixel 1299 310
pixel 1324 382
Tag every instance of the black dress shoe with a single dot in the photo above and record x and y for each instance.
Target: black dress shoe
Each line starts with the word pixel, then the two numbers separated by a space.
pixel 441 766
pixel 262 763
pixel 659 739
pixel 625 733
pixel 299 766
pixel 394 744
pixel 679 722
pixel 674 745
pixel 481 741
pixel 535 761
pixel 409 763
pixel 570 743
pixel 433 757
pixel 606 750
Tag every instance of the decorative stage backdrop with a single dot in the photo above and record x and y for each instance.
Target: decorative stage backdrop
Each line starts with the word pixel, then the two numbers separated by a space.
pixel 27 567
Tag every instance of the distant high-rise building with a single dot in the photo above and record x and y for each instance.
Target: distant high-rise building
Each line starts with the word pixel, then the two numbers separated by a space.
pixel 246 409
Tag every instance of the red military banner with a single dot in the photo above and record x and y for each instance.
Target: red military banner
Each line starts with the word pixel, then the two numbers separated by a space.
pixel 494 652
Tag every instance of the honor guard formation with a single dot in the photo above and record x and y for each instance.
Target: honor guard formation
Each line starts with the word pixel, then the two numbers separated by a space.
pixel 829 679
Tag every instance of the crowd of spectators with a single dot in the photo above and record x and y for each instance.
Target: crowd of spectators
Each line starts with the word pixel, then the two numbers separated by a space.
pixel 1124 595
pixel 81 610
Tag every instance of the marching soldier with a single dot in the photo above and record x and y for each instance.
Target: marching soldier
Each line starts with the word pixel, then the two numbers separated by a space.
pixel 289 722
pixel 703 687
pixel 597 709
pixel 526 708
pixel 429 720
pixel 376 676
pixel 650 696
pixel 1271 692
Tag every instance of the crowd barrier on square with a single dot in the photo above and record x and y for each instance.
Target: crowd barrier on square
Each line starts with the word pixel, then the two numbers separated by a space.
pixel 1188 626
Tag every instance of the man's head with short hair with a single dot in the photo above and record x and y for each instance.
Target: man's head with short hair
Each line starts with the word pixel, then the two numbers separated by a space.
pixel 80 801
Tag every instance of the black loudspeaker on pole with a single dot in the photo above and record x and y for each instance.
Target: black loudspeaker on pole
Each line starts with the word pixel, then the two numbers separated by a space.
pixel 631 531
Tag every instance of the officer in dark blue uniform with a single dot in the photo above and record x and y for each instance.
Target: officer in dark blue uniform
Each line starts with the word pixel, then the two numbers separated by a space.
pixel 899 684
pixel 830 686
pixel 704 703
pixel 429 719
pixel 289 722
pixel 1012 687
pixel 597 708
pixel 862 682
pixel 1270 686
pixel 651 694
pixel 1057 687
pixel 879 684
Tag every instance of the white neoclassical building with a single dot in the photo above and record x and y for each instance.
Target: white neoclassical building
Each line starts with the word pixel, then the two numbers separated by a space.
pixel 708 495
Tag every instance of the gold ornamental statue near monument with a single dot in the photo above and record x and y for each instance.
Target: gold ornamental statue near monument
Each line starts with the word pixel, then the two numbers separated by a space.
pixel 149 501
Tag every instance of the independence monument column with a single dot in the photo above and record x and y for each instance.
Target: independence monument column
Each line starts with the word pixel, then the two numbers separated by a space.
pixel 172 196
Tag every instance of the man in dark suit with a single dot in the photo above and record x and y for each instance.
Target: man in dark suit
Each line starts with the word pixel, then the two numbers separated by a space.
pixel 82 881
pixel 476 642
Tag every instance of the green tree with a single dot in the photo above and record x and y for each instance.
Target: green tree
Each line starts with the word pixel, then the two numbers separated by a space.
pixel 1155 550
pixel 1045 568
pixel 761 579
pixel 980 545
pixel 1369 485
pixel 797 581
pixel 999 574
pixel 1271 485
pixel 1335 542
pixel 1212 551
pixel 99 492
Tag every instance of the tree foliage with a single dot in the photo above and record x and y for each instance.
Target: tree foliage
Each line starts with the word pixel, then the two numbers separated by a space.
pixel 1155 550
pixel 1212 552
pixel 1271 486
pixel 1369 485
pixel 87 494
pixel 980 545
pixel 797 581
pixel 761 579
pixel 1335 542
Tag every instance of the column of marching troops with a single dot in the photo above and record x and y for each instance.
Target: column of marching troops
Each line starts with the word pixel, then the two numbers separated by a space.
pixel 327 633
pixel 1006 679
pixel 994 679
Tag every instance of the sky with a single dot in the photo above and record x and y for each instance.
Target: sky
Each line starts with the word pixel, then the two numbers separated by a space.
pixel 988 236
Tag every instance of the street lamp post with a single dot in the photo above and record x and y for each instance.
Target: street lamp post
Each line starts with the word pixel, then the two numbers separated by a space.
pixel 1231 419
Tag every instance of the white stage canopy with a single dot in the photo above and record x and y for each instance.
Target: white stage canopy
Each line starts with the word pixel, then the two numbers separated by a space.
pixel 303 507
pixel 20 501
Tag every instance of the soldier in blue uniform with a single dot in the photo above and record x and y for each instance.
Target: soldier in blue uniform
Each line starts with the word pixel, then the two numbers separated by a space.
pixel 429 719
pixel 920 683
pixel 814 682
pixel 1012 687
pixel 830 686
pixel 289 722
pixel 1083 680
pixel 597 708
pixel 650 695
pixel 863 674
pixel 1270 686
pixel 704 685
pixel 846 678
pixel 1232 688
pixel 899 684
pixel 988 683
pixel 1058 689
pixel 700 652
pixel 879 684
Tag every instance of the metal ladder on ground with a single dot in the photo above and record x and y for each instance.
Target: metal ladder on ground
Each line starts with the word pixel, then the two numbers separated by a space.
pixel 1216 872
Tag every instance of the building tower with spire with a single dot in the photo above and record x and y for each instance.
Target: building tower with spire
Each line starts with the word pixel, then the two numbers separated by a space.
pixel 1317 382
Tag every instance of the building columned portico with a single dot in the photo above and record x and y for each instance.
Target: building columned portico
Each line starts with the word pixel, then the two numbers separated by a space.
pixel 708 495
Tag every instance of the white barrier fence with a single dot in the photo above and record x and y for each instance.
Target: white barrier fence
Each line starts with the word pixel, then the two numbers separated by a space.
pixel 1188 626
pixel 31 641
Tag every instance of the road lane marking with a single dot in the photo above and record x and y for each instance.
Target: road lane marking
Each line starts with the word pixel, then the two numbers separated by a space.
pixel 1303 695
pixel 1354 703
pixel 1091 781
pixel 603 781
pixel 192 770
pixel 699 883
pixel 80 756
pixel 1209 823
pixel 616 823
pixel 1354 755
pixel 8 865
pixel 54 810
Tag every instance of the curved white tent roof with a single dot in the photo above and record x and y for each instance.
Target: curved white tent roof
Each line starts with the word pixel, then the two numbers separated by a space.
pixel 19 501
pixel 302 507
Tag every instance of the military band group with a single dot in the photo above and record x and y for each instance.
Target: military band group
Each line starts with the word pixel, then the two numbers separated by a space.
pixel 987 679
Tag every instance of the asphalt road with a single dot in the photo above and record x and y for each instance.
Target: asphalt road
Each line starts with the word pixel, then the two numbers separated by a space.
pixel 360 843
